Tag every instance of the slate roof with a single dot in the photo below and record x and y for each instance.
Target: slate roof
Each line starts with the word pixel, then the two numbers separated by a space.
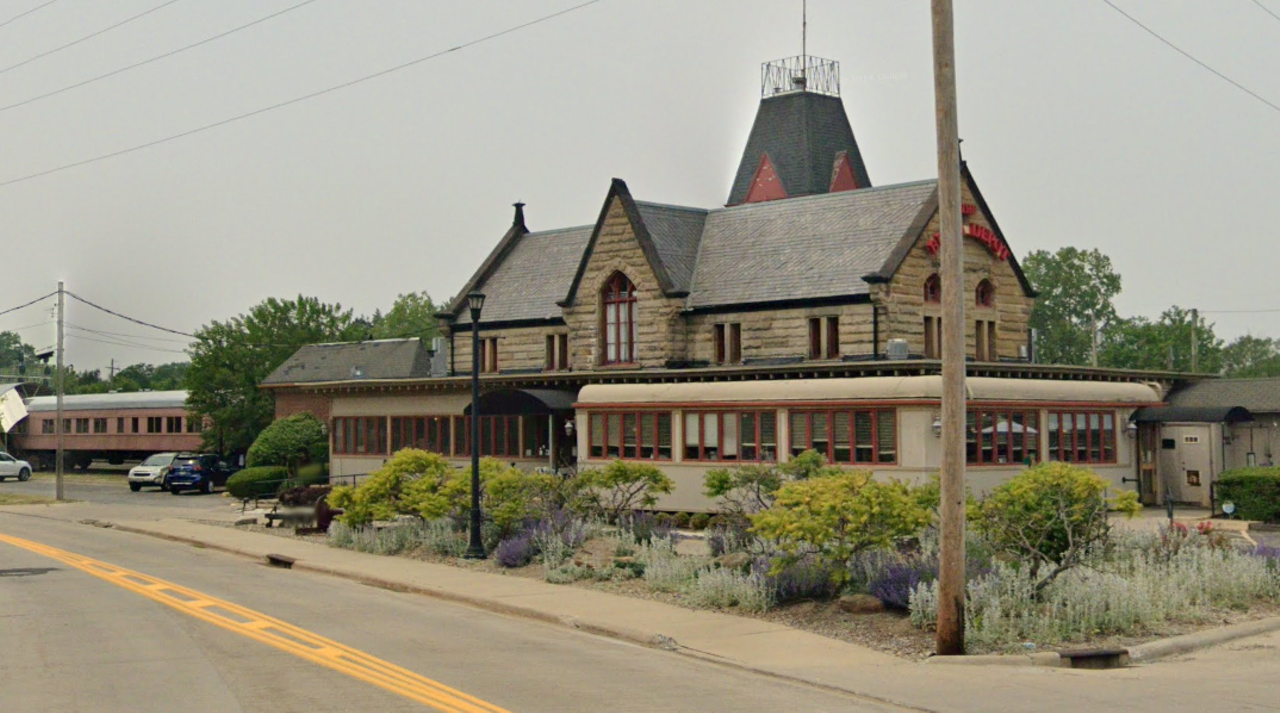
pixel 802 132
pixel 803 248
pixel 676 232
pixel 376 359
pixel 1256 395
pixel 532 277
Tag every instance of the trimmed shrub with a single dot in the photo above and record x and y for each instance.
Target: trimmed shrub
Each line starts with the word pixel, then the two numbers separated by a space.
pixel 290 442
pixel 790 579
pixel 682 520
pixel 724 588
pixel 261 482
pixel 303 495
pixel 312 474
pixel 620 487
pixel 515 551
pixel 700 520
pixel 1255 492
pixel 410 483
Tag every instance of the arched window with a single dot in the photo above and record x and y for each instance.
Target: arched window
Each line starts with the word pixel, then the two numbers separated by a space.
pixel 619 320
pixel 985 295
pixel 933 289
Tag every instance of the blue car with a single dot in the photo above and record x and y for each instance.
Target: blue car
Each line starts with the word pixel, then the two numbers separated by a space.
pixel 196 471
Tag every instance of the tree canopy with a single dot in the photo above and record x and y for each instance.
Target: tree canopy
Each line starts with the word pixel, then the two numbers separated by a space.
pixel 1251 357
pixel 1076 291
pixel 230 359
pixel 1139 343
pixel 412 315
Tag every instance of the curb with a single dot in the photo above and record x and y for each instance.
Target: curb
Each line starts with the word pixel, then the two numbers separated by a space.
pixel 1047 659
pixel 1143 653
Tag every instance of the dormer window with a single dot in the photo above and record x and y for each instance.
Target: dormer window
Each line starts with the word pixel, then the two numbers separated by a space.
pixel 619 320
pixel 985 294
pixel 932 289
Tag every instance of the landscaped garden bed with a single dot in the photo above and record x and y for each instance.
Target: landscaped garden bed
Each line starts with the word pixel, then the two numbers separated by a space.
pixel 830 551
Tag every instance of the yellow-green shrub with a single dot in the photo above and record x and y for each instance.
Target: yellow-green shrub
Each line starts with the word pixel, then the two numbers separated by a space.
pixel 620 487
pixel 833 517
pixel 412 482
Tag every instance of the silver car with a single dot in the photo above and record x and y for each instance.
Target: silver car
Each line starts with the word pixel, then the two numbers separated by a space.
pixel 151 471
pixel 11 467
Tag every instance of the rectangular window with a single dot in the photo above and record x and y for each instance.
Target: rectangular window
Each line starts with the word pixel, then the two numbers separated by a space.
pixel 833 337
pixel 562 352
pixel 550 360
pixel 718 339
pixel 119 425
pixel 735 343
pixel 134 425
pixel 815 338
pixel 984 340
pixel 47 426
pixel 360 435
pixel 536 436
pixel 173 424
pixel 195 424
pixel 489 356
pixel 862 436
pixel 155 424
pixel 499 436
pixel 727 343
pixel 643 435
pixel 99 425
pixel 1003 436
pixel 932 337
pixel 66 425
pixel 428 433
pixel 1082 436
pixel 82 425
pixel 730 436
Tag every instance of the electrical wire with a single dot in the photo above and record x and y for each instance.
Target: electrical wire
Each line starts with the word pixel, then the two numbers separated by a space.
pixel 1266 9
pixel 21 15
pixel 1191 57
pixel 156 58
pixel 29 326
pixel 126 317
pixel 1239 311
pixel 28 304
pixel 295 100
pixel 124 344
pixel 127 336
pixel 73 43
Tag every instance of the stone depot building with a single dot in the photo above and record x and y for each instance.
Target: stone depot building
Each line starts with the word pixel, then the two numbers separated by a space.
pixel 804 313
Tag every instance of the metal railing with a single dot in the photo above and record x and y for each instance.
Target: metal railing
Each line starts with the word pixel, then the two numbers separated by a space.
pixel 803 73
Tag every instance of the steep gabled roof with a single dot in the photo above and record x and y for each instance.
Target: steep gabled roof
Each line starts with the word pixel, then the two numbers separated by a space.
pixel 533 275
pixel 803 134
pixel 803 248
pixel 670 244
pixel 345 361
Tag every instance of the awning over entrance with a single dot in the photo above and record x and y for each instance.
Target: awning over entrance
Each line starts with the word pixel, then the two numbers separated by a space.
pixel 1191 414
pixel 525 402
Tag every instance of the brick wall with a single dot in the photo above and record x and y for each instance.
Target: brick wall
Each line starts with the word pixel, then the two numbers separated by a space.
pixel 290 402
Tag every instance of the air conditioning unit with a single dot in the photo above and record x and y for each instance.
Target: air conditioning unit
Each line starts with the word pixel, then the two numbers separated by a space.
pixel 897 350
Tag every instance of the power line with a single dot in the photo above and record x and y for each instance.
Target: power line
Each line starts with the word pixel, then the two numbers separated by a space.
pixel 295 100
pixel 29 326
pixel 87 37
pixel 1239 311
pixel 28 304
pixel 158 57
pixel 1266 9
pixel 1189 56
pixel 126 317
pixel 125 344
pixel 127 336
pixel 21 15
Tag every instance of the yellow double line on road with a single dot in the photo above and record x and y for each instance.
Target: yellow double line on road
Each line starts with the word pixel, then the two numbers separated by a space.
pixel 272 632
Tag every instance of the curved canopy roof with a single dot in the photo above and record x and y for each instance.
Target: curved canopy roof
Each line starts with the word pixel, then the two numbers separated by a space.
pixel 98 402
pixel 1192 414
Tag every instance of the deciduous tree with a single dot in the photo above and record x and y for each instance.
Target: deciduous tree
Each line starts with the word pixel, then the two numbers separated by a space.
pixel 1076 290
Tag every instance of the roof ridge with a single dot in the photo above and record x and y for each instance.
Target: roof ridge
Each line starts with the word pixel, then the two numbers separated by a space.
pixel 829 196
pixel 673 206
pixel 539 233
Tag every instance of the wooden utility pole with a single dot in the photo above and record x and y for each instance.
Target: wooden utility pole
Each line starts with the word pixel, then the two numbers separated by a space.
pixel 60 377
pixel 950 639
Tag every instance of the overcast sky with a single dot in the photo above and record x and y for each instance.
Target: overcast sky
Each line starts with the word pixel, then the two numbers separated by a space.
pixel 1080 128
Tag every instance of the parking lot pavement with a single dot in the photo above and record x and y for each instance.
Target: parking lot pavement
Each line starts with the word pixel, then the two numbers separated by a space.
pixel 113 490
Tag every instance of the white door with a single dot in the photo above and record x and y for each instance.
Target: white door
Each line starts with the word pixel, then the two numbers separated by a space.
pixel 8 466
pixel 1186 462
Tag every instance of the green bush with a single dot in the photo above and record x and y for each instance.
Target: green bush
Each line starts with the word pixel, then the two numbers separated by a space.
pixel 620 487
pixel 261 482
pixel 747 489
pixel 412 482
pixel 834 517
pixel 700 520
pixel 682 520
pixel 1050 514
pixel 290 442
pixel 1255 492
pixel 312 474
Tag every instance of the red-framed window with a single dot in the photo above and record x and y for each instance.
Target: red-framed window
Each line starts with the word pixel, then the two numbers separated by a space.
pixel 1002 436
pixel 1082 436
pixel 360 435
pixel 499 436
pixel 863 436
pixel 731 436
pixel 985 294
pixel 430 433
pixel 933 288
pixel 619 319
pixel 643 435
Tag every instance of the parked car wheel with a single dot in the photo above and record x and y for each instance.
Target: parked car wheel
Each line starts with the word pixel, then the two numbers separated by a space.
pixel 173 490
pixel 135 487
pixel 206 487
pixel 1 479
pixel 24 475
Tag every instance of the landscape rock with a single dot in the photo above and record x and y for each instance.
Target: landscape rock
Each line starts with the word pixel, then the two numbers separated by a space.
pixel 860 604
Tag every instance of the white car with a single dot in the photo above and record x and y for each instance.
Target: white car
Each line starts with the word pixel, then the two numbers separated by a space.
pixel 11 467
pixel 151 471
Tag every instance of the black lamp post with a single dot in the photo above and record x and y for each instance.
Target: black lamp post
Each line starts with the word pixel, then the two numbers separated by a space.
pixel 475 550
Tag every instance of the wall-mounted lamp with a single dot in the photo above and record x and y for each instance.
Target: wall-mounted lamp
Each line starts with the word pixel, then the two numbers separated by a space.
pixel 568 427
pixel 1131 430
pixel 937 427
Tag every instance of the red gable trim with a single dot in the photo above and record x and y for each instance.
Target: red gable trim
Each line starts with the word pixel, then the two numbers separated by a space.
pixel 766 186
pixel 842 178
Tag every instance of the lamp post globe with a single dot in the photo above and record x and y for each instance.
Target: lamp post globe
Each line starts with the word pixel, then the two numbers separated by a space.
pixel 475 548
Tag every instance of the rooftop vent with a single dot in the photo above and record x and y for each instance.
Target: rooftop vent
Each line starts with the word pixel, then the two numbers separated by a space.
pixel 803 73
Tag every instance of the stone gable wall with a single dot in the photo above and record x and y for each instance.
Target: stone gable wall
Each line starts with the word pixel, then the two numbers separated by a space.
pixel 518 347
pixel 903 298
pixel 769 334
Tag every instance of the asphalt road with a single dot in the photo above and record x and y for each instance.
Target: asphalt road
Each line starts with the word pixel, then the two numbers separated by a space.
pixel 74 642
pixel 110 490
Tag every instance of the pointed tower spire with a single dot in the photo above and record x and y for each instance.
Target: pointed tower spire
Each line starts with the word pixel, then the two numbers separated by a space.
pixel 801 133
